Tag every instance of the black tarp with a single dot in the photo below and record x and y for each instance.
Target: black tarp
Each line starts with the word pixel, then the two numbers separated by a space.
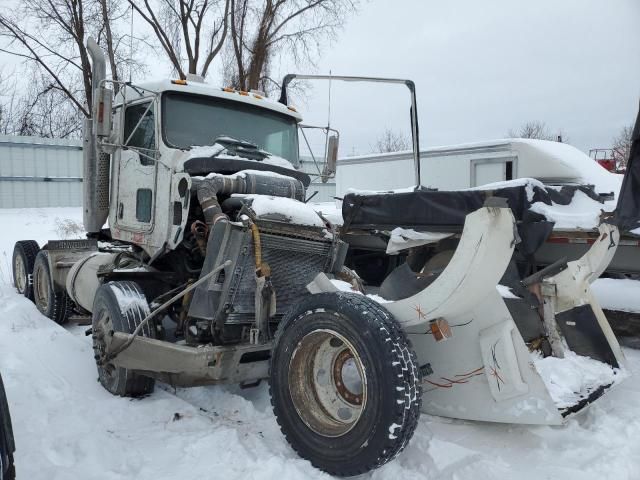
pixel 445 211
pixel 627 214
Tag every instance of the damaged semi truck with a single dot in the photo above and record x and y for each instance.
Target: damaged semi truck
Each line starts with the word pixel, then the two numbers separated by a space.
pixel 214 270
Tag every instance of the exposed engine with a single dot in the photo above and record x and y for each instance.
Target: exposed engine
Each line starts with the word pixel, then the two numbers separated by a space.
pixel 274 254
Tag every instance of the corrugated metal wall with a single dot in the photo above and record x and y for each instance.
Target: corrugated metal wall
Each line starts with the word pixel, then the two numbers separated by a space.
pixel 47 172
pixel 40 172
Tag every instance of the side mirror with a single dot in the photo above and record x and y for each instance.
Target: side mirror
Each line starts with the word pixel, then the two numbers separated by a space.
pixel 332 158
pixel 104 102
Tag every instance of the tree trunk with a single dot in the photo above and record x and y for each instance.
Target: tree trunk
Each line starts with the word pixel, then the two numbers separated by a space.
pixel 110 51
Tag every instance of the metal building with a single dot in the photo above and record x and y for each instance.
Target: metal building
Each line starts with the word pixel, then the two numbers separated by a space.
pixel 326 191
pixel 40 172
pixel 47 172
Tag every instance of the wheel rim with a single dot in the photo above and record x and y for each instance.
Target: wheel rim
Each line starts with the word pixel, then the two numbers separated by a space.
pixel 41 291
pixel 327 383
pixel 104 324
pixel 21 274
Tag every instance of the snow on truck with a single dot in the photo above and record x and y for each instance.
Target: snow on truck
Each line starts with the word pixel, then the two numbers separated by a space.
pixel 214 270
pixel 498 163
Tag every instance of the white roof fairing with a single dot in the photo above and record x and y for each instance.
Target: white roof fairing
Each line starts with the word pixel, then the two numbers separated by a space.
pixel 205 89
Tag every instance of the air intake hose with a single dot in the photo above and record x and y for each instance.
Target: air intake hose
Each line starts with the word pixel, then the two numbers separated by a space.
pixel 208 189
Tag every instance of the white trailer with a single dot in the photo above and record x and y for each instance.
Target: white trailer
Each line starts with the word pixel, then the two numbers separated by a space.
pixel 484 165
pixel 474 164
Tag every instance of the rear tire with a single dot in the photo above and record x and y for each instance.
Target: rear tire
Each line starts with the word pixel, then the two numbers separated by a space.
pixel 345 423
pixel 55 305
pixel 7 443
pixel 24 256
pixel 120 306
pixel 11 470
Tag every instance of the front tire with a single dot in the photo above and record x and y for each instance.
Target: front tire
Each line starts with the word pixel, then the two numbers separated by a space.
pixel 53 304
pixel 120 307
pixel 24 256
pixel 344 383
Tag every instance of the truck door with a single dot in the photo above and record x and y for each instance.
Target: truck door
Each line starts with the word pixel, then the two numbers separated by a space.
pixel 137 169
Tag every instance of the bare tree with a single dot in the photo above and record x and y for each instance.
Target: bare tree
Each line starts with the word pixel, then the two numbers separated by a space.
pixel 7 99
pixel 533 129
pixel 40 110
pixel 59 92
pixel 391 141
pixel 622 147
pixel 44 112
pixel 62 53
pixel 262 28
pixel 199 27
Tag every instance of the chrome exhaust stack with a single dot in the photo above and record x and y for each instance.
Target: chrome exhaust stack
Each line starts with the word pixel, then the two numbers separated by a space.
pixel 96 162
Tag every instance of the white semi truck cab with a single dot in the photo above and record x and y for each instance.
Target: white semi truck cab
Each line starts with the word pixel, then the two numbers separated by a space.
pixel 166 132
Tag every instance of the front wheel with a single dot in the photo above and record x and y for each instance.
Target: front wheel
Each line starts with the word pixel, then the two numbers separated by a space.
pixel 119 307
pixel 344 382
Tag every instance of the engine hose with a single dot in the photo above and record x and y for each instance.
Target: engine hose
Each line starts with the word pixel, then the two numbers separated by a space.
pixel 200 231
pixel 208 189
pixel 262 269
pixel 207 192
pixel 257 247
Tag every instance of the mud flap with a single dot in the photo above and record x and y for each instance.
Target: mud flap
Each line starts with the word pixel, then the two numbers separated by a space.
pixel 571 312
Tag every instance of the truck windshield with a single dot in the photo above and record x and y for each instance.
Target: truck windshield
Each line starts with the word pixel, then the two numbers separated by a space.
pixel 189 120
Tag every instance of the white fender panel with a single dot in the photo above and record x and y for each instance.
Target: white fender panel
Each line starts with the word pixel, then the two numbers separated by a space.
pixel 500 361
pixel 482 256
pixel 458 376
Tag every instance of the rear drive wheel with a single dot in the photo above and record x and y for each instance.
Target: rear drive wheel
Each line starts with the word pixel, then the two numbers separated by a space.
pixel 344 383
pixel 119 307
pixel 55 305
pixel 24 256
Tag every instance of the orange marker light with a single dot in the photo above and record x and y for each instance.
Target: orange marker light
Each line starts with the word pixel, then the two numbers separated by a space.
pixel 228 90
pixel 440 329
pixel 179 82
pixel 243 93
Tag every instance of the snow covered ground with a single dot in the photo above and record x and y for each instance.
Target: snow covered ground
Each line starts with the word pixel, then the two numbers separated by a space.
pixel 68 427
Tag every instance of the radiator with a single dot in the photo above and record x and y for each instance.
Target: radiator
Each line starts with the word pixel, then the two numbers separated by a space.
pixel 294 260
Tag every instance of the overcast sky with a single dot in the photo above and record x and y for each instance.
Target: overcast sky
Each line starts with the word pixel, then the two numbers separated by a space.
pixel 483 67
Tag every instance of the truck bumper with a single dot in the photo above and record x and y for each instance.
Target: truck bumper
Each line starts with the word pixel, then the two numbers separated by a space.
pixel 185 366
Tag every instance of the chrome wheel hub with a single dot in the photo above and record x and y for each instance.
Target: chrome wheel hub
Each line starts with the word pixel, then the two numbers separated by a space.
pixel 327 383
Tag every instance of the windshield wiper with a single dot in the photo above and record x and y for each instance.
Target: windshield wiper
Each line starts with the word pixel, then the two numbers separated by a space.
pixel 241 148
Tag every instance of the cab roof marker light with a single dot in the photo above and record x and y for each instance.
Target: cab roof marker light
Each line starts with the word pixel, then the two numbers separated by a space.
pixel 259 97
pixel 228 90
pixel 243 93
pixel 179 82
pixel 293 109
